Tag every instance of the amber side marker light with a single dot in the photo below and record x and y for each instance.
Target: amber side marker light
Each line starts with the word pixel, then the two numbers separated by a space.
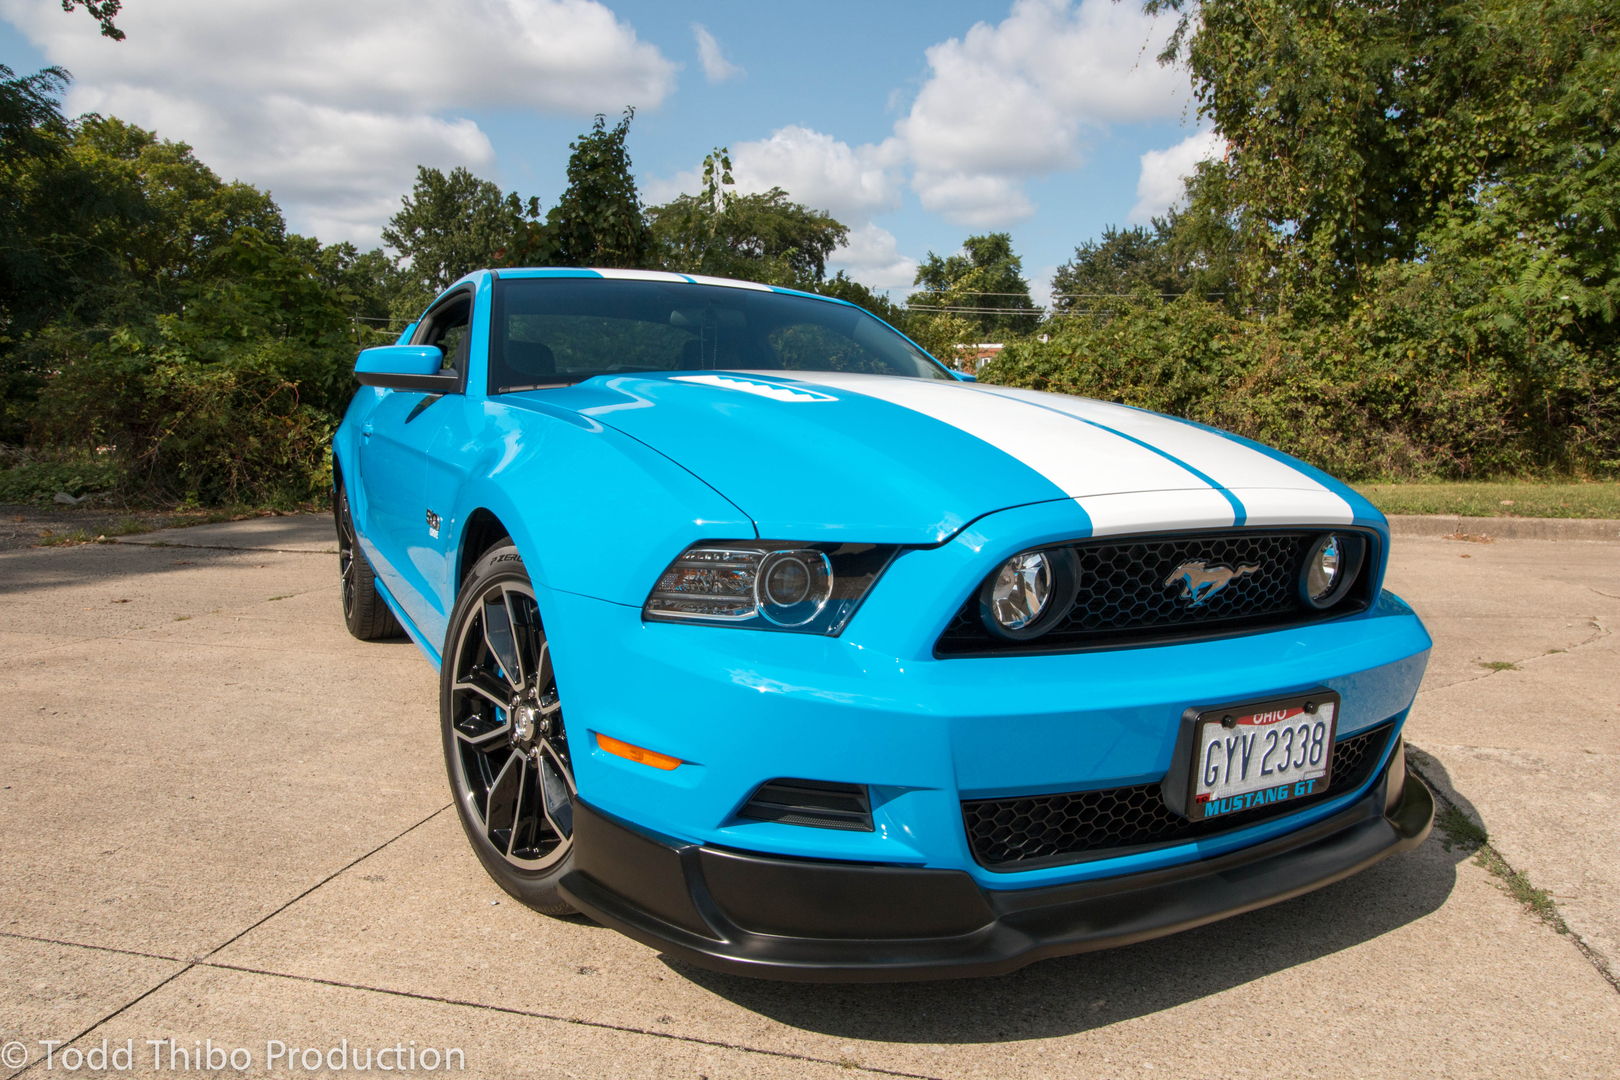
pixel 636 753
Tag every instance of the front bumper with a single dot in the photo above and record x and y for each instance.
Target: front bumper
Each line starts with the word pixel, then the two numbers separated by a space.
pixel 816 921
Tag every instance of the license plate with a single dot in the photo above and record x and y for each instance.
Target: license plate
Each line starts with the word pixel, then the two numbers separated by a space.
pixel 1262 753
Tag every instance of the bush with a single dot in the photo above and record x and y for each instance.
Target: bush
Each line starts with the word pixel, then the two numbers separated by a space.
pixel 252 426
pixel 30 480
pixel 1407 387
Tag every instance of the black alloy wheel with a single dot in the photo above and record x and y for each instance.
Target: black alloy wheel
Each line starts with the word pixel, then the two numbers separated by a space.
pixel 365 612
pixel 505 746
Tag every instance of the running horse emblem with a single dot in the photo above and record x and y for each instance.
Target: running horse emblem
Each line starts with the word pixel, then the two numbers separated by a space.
pixel 1200 581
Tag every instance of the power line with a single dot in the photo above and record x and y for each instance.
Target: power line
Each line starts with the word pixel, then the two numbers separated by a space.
pixel 1055 296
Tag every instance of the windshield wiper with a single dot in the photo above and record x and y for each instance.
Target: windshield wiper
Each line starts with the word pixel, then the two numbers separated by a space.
pixel 534 386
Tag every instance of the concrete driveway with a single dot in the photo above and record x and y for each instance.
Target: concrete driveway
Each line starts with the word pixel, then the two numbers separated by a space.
pixel 225 823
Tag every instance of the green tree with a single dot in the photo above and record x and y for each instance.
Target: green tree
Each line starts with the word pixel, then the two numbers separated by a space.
pixel 1122 261
pixel 232 398
pixel 105 225
pixel 598 221
pixel 103 11
pixel 765 237
pixel 1359 133
pixel 842 287
pixel 449 226
pixel 370 285
pixel 32 142
pixel 983 289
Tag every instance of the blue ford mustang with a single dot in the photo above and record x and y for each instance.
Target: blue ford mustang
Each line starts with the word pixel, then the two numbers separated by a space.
pixel 773 644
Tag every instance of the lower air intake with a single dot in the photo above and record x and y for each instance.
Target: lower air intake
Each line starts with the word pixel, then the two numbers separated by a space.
pixel 817 803
pixel 1048 830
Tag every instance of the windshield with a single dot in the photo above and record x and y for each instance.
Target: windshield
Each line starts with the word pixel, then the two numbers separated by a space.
pixel 556 331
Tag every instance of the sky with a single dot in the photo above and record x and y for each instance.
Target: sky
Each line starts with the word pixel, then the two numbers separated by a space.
pixel 915 124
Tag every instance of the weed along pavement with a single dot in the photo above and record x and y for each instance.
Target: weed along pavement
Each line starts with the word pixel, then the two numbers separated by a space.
pixel 225 830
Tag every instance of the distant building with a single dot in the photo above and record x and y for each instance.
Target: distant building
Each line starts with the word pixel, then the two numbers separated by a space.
pixel 972 357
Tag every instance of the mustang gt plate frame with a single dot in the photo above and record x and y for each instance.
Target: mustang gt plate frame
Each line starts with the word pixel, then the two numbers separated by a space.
pixel 1252 754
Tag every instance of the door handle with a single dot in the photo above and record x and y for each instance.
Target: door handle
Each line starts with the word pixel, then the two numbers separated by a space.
pixel 365 430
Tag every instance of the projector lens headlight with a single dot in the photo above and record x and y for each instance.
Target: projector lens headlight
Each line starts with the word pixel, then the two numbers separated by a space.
pixel 811 588
pixel 793 586
pixel 1030 593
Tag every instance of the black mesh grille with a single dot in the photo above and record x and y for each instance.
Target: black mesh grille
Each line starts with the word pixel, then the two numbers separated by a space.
pixel 1026 833
pixel 1127 594
pixel 817 803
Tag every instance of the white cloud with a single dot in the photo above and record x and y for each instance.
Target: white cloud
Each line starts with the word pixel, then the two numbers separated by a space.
pixel 1160 185
pixel 1040 285
pixel 871 256
pixel 977 200
pixel 823 173
pixel 716 68
pixel 332 105
pixel 820 172
pixel 1018 99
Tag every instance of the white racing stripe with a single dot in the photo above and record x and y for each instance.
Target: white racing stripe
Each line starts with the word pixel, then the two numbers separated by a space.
pixel 1081 459
pixel 1155 511
pixel 1272 491
pixel 616 274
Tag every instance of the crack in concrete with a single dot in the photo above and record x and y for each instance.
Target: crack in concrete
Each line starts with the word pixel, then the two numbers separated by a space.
pixel 602 1024
pixel 134 634
pixel 202 960
pixel 110 1016
pixel 1575 938
pixel 1593 621
pixel 439 1000
pixel 210 547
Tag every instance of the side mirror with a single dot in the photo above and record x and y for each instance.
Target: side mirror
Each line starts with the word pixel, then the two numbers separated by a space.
pixel 405 367
pixel 965 377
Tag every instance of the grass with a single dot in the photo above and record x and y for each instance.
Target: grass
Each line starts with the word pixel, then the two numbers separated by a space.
pixel 65 539
pixel 1468 834
pixel 1461 828
pixel 1538 902
pixel 1511 498
pixel 1499 665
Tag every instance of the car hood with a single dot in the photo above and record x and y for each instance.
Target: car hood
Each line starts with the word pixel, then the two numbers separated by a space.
pixel 829 455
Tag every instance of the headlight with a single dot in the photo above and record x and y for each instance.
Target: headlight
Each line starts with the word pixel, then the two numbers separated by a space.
pixel 1030 593
pixel 1331 566
pixel 764 585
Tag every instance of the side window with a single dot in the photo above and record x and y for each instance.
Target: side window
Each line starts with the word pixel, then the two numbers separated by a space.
pixel 447 326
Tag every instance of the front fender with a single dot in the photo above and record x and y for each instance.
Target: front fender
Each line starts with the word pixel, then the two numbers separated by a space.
pixel 593 511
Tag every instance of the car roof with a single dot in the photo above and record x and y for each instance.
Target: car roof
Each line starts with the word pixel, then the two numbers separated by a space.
pixel 616 274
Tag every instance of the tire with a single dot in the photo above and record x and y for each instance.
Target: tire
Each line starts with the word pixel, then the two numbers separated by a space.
pixel 505 747
pixel 364 611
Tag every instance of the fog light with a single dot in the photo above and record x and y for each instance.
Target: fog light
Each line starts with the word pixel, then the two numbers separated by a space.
pixel 1029 593
pixel 1323 572
pixel 1331 566
pixel 1022 588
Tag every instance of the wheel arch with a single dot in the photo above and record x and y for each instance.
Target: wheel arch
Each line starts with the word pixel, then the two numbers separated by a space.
pixel 483 531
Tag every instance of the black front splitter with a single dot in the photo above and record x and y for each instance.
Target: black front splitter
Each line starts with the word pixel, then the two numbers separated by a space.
pixel 810 921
